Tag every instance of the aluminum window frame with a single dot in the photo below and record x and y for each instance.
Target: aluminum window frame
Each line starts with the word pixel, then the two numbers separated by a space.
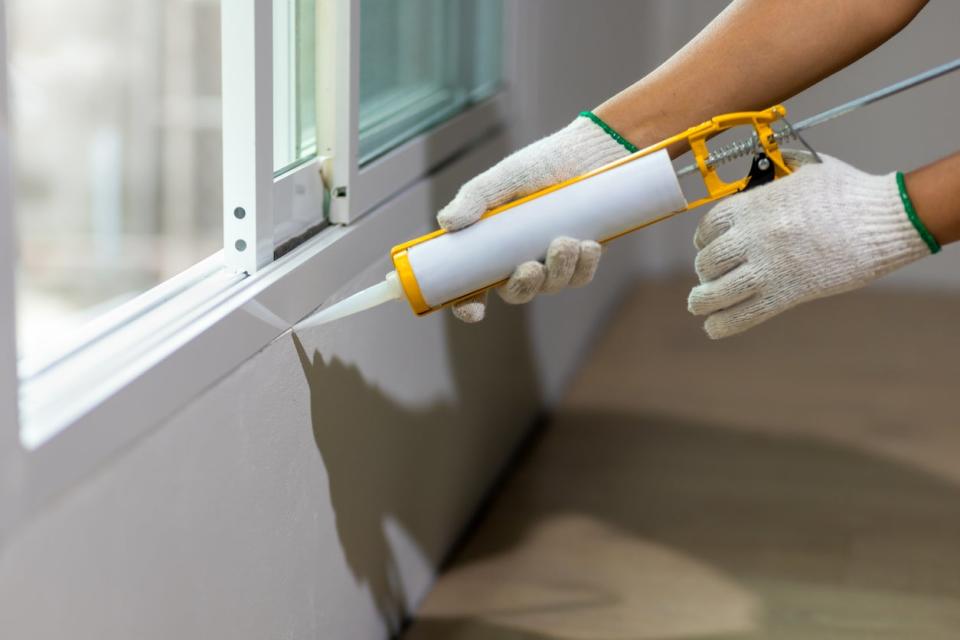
pixel 165 348
pixel 356 189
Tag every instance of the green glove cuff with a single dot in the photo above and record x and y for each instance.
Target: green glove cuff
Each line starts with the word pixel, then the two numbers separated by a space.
pixel 914 218
pixel 610 131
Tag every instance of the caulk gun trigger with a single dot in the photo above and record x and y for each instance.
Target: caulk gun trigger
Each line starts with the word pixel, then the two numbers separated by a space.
pixel 761 172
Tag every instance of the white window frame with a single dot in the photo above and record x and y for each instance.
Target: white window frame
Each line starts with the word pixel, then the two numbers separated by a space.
pixel 148 359
pixel 356 190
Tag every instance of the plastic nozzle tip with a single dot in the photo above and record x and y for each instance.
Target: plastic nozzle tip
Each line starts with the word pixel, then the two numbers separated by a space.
pixel 380 293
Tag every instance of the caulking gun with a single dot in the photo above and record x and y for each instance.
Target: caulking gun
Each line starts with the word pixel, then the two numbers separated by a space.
pixel 440 268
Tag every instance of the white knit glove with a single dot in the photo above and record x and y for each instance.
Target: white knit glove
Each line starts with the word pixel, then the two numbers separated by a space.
pixel 826 229
pixel 581 146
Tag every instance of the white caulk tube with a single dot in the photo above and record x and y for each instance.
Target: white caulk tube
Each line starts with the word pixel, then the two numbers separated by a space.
pixel 440 268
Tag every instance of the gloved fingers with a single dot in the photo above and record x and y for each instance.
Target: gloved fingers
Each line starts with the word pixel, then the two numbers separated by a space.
pixel 725 292
pixel 720 256
pixel 524 284
pixel 590 252
pixel 719 220
pixel 471 309
pixel 517 175
pixel 466 208
pixel 714 224
pixel 741 317
pixel 562 257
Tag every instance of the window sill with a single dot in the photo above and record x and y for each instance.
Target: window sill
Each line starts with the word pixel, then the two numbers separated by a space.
pixel 102 398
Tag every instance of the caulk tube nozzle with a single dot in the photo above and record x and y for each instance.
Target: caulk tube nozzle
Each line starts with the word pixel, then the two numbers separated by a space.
pixel 370 297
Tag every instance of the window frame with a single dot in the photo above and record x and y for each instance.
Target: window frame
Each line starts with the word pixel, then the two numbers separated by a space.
pixel 355 189
pixel 194 329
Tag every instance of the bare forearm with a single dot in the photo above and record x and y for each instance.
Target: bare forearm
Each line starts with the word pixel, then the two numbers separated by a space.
pixel 756 53
pixel 935 193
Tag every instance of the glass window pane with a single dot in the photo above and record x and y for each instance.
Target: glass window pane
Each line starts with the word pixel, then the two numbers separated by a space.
pixel 294 82
pixel 422 61
pixel 116 134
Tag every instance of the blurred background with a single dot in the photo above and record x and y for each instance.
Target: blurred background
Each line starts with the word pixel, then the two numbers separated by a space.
pixel 116 131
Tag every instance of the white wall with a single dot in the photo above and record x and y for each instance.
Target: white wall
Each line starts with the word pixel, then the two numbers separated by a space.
pixel 901 133
pixel 311 492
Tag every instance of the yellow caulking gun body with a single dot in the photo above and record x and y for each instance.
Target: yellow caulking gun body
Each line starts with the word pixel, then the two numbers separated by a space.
pixel 440 268
pixel 636 208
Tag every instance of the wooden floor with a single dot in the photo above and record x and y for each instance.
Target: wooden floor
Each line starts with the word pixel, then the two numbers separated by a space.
pixel 799 482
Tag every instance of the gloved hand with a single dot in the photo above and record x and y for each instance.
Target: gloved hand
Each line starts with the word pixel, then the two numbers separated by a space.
pixel 826 229
pixel 583 145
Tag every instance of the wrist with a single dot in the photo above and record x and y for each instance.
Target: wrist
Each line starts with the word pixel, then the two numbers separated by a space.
pixel 610 131
pixel 584 145
pixel 934 191
pixel 641 130
pixel 863 228
pixel 928 237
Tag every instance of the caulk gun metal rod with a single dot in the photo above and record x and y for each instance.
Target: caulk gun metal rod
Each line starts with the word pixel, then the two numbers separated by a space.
pixel 856 103
pixel 878 95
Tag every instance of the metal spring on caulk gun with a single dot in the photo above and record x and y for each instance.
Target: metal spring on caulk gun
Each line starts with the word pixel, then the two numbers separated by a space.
pixel 739 148
pixel 793 131
pixel 732 151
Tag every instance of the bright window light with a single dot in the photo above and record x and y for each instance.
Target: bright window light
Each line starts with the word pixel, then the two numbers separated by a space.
pixel 294 83
pixel 116 134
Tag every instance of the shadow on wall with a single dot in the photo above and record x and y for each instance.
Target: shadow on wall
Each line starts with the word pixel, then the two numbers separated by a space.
pixel 645 527
pixel 387 463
